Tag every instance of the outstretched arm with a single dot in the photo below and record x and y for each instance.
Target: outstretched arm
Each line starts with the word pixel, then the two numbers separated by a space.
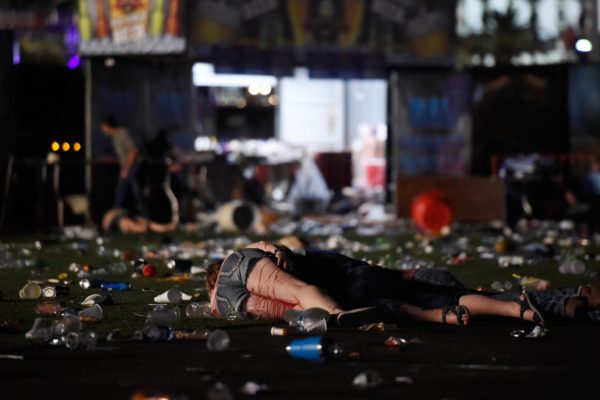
pixel 269 281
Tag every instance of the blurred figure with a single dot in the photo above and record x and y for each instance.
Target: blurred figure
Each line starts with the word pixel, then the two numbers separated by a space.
pixel 127 153
pixel 592 189
pixel 120 220
pixel 158 165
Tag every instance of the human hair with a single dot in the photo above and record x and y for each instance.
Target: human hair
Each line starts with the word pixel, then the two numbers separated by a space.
pixel 212 273
pixel 110 120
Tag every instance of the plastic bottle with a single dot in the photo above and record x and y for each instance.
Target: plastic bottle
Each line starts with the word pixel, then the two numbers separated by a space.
pixel 200 309
pixel 164 315
pixel 37 332
pixel 572 266
pixel 313 348
pixel 218 340
pixel 75 340
pixel 501 286
pixel 153 333
pixel 367 379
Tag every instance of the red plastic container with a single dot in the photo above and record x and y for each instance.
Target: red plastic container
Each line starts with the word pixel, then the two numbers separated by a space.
pixel 430 211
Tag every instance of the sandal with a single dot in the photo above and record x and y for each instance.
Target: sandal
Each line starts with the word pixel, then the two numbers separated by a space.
pixel 527 304
pixel 459 312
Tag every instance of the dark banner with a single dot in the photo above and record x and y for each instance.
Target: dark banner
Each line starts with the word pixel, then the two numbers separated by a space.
pixel 130 27
pixel 422 30
pixel 584 107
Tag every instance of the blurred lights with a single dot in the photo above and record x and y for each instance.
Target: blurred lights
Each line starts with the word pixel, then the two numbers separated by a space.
pixel 203 74
pixel 583 45
pixel 73 62
pixel 66 146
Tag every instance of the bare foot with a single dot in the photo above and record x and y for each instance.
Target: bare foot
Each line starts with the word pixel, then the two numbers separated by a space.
pixel 574 306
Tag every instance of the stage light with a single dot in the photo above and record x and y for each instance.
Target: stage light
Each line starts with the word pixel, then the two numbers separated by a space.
pixel 583 45
pixel 76 146
pixel 66 146
pixel 265 89
pixel 254 89
pixel 55 146
pixel 73 62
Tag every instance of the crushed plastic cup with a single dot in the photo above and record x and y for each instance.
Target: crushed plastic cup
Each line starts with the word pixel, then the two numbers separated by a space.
pixel 313 348
pixel 31 291
pixel 313 325
pixel 367 379
pixel 172 296
pixel 37 332
pixel 537 332
pixel 48 308
pixel 199 309
pixel 309 320
pixel 218 340
pixel 251 388
pixel 276 331
pixel 69 322
pixel 501 286
pixel 154 333
pixel 52 291
pixel 164 315
pixel 149 271
pixel 76 340
pixel 219 391
pixel 531 283
pixel 91 314
pixel 97 299
pixel 196 334
pixel 572 266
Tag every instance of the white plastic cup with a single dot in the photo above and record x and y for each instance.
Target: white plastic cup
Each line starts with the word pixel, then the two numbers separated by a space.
pixel 30 291
pixel 171 296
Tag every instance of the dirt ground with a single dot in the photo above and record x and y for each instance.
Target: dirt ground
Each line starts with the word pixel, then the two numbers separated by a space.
pixel 482 361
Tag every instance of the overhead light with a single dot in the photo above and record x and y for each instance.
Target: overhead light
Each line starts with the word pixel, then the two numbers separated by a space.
pixel 583 45
pixel 76 146
pixel 203 74
pixel 66 146
pixel 55 146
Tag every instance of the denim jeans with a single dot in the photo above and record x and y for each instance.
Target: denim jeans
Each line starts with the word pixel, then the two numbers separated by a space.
pixel 131 183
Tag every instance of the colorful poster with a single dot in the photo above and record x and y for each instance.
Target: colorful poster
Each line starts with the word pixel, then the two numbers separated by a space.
pixel 128 20
pixel 431 124
pixel 130 27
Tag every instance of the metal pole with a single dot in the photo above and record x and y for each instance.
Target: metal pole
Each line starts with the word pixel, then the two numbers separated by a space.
pixel 9 169
pixel 88 136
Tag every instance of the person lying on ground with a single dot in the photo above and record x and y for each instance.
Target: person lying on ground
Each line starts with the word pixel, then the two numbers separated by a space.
pixel 266 281
pixel 123 221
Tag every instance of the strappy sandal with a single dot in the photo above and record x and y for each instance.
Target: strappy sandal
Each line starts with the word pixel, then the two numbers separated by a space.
pixel 526 304
pixel 458 311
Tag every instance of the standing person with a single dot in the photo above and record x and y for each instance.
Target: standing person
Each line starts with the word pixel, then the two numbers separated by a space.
pixel 127 153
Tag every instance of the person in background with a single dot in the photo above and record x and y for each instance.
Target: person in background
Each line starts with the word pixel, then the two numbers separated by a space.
pixel 119 220
pixel 592 190
pixel 127 154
